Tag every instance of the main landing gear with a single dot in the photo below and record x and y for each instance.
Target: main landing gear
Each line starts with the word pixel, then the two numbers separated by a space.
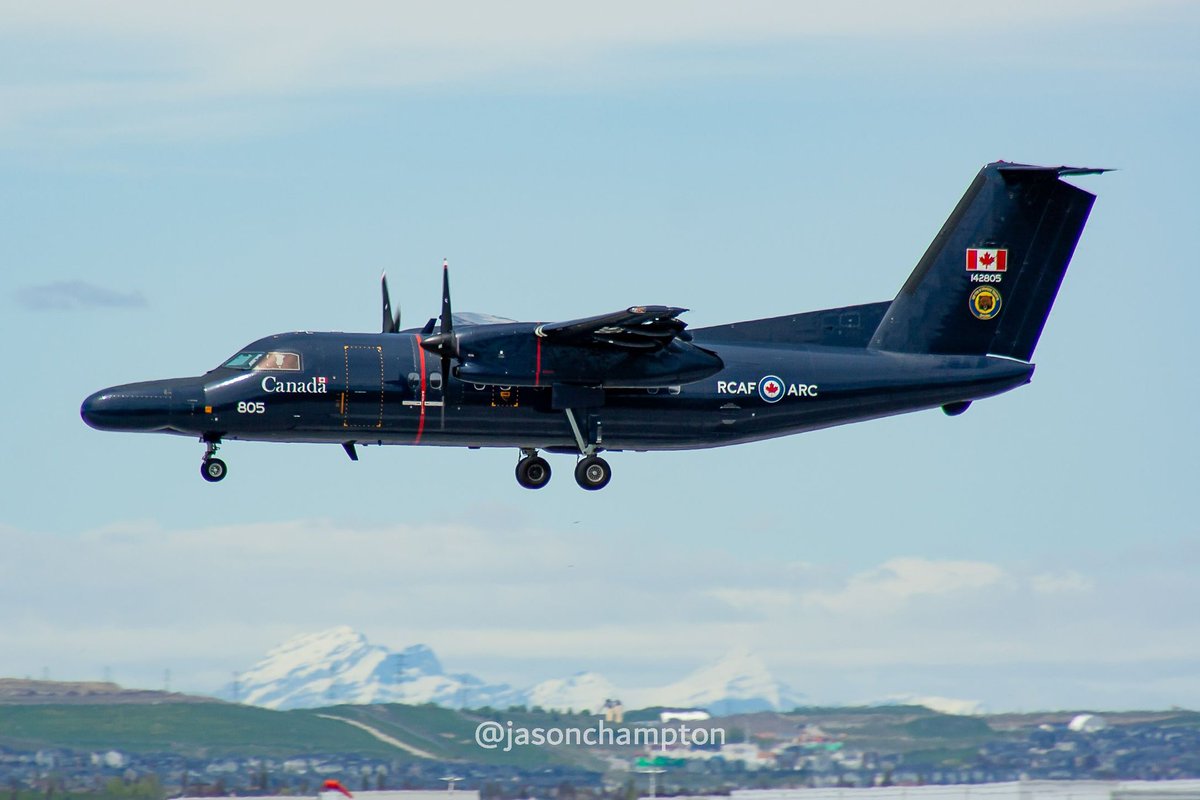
pixel 591 471
pixel 533 471
pixel 212 469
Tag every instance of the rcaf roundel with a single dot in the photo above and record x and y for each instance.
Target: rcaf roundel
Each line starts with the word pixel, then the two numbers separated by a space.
pixel 771 388
pixel 980 260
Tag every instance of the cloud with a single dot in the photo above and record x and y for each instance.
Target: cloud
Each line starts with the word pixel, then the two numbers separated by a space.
pixel 517 602
pixel 1060 583
pixel 888 587
pixel 146 59
pixel 74 296
pixel 755 599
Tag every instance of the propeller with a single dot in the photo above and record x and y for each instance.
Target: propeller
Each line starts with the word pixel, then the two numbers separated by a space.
pixel 391 323
pixel 444 343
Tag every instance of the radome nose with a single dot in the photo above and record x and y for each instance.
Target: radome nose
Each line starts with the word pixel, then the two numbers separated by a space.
pixel 133 407
pixel 92 410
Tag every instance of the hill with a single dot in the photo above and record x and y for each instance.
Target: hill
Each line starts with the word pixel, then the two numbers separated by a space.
pixel 395 732
pixel 23 692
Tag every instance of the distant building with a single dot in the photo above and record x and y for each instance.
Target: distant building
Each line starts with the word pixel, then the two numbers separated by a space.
pixel 112 759
pixel 748 753
pixel 1087 723
pixel 683 715
pixel 613 711
pixel 422 794
pixel 812 733
pixel 1014 790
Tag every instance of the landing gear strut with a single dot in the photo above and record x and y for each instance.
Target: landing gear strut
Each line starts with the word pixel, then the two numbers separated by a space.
pixel 591 472
pixel 212 469
pixel 533 471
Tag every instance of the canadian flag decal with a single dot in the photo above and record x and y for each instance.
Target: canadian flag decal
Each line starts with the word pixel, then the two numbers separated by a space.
pixel 979 260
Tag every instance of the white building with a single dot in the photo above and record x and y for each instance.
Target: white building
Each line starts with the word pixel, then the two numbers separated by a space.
pixel 748 753
pixel 1087 723
pixel 439 794
pixel 1016 790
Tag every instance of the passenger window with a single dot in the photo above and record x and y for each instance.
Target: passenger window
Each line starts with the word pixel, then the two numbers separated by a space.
pixel 435 380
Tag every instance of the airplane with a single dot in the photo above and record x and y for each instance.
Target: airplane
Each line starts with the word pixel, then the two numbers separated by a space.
pixel 963 327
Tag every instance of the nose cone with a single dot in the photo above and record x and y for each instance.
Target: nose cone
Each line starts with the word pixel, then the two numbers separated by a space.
pixel 150 406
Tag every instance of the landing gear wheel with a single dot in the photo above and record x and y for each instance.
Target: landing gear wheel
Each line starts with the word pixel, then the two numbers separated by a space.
pixel 213 469
pixel 533 472
pixel 593 473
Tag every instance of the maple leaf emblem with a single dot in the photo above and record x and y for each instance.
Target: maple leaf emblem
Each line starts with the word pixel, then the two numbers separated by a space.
pixel 772 387
pixel 986 259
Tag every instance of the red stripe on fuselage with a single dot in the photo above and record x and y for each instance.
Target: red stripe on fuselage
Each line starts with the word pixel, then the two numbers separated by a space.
pixel 537 374
pixel 421 418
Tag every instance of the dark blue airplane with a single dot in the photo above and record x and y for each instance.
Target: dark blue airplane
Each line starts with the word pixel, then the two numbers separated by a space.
pixel 963 327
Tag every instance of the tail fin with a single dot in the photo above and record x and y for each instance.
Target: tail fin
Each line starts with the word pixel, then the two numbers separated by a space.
pixel 986 283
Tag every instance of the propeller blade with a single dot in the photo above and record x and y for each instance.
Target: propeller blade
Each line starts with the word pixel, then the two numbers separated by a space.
pixel 445 386
pixel 445 343
pixel 447 316
pixel 391 323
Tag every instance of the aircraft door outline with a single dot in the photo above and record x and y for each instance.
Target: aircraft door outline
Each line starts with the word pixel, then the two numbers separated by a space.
pixel 362 397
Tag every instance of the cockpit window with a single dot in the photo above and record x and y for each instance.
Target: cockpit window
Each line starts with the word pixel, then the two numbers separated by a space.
pixel 244 360
pixel 265 361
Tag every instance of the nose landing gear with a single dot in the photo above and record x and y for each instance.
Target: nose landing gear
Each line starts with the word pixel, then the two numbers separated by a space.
pixel 212 469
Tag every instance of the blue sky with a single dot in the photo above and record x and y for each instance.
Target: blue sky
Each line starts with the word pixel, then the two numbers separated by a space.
pixel 177 182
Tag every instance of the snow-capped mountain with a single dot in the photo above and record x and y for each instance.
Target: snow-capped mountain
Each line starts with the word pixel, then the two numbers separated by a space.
pixel 738 683
pixel 340 666
pixel 584 690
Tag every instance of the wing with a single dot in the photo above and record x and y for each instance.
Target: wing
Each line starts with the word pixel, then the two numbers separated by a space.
pixel 642 346
pixel 636 328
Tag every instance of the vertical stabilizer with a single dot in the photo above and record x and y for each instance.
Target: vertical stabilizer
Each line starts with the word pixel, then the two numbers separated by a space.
pixel 989 278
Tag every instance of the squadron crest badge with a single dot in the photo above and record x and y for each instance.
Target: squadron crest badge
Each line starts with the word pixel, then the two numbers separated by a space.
pixel 985 302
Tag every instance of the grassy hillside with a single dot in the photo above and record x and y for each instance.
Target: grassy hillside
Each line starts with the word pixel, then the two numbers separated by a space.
pixel 450 734
pixel 218 729
pixel 214 729
pixel 188 729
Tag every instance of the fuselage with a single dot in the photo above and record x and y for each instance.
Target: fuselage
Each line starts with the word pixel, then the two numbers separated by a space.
pixel 386 389
pixel 962 327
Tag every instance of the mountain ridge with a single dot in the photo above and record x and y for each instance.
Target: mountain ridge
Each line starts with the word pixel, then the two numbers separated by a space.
pixel 339 665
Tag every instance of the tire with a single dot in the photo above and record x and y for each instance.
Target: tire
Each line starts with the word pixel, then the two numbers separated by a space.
pixel 213 469
pixel 533 472
pixel 593 473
